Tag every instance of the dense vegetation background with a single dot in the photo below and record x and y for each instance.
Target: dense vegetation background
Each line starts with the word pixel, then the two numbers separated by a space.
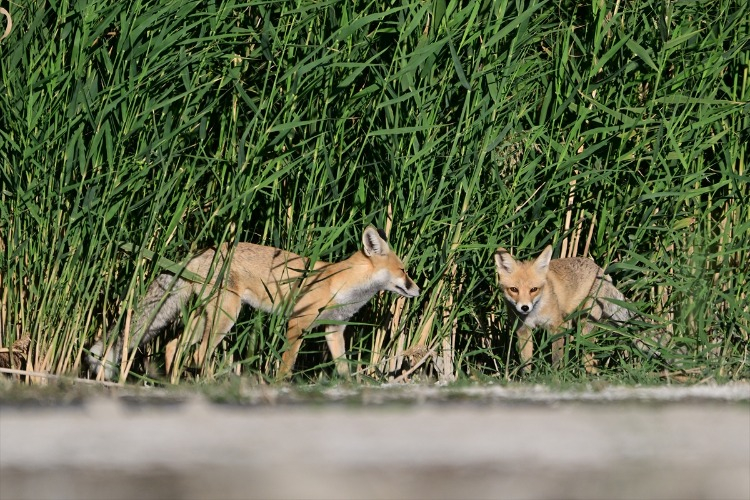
pixel 134 133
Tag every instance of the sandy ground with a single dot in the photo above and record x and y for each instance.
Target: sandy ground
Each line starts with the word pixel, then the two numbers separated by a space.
pixel 428 442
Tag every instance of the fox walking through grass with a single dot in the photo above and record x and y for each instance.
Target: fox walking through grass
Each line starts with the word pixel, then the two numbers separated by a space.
pixel 269 279
pixel 545 291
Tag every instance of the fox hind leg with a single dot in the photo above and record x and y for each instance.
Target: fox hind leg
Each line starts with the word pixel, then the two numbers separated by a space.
pixel 206 327
pixel 596 312
pixel 589 362
pixel 221 316
pixel 558 350
pixel 170 354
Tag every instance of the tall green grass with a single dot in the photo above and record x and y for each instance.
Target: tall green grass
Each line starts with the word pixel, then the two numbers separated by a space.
pixel 134 134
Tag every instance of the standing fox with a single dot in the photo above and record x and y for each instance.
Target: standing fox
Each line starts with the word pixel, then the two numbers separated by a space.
pixel 272 280
pixel 543 292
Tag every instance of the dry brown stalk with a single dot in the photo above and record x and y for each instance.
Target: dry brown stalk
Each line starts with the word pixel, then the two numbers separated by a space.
pixel 16 354
pixel 9 26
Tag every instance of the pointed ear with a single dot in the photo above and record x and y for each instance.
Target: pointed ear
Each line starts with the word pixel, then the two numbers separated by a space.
pixel 542 262
pixel 372 242
pixel 504 263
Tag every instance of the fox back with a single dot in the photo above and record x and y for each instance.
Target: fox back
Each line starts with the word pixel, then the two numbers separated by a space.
pixel 269 279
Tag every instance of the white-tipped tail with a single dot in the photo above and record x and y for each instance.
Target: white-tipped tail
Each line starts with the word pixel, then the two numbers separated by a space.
pixel 162 304
pixel 611 310
pixel 109 365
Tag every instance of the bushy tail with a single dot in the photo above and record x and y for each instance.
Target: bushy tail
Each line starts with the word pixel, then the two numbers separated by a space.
pixel 110 363
pixel 164 300
pixel 619 315
pixel 604 290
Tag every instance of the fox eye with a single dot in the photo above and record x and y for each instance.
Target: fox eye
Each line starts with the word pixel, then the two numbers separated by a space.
pixel 533 289
pixel 513 289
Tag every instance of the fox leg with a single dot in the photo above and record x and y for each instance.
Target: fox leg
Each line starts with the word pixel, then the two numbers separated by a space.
pixel 294 337
pixel 589 363
pixel 221 315
pixel 525 347
pixel 558 344
pixel 208 327
pixel 558 350
pixel 170 353
pixel 337 346
pixel 175 349
pixel 595 312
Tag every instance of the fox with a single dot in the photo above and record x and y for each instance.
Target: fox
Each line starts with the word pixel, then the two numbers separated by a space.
pixel 544 292
pixel 268 279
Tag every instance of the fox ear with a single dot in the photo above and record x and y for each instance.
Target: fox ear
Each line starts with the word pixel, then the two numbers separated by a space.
pixel 504 263
pixel 542 262
pixel 373 243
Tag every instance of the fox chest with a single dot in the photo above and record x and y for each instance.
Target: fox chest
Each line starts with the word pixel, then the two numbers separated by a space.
pixel 536 318
pixel 341 311
pixel 537 321
pixel 345 303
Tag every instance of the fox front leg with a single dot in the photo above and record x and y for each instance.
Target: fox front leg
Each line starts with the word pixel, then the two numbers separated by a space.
pixel 525 347
pixel 294 339
pixel 558 351
pixel 337 346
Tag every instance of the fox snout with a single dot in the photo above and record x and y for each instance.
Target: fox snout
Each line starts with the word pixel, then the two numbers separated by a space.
pixel 409 288
pixel 523 302
pixel 402 284
pixel 524 308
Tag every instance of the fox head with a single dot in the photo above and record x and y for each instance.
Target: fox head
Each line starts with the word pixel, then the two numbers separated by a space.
pixel 522 282
pixel 389 270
